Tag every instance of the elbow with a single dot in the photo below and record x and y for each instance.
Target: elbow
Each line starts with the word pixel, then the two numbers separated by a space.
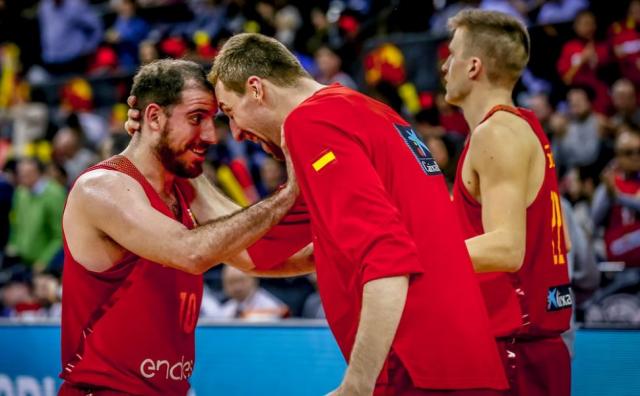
pixel 195 264
pixel 512 258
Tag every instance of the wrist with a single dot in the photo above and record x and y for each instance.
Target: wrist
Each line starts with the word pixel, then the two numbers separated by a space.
pixel 357 387
pixel 357 384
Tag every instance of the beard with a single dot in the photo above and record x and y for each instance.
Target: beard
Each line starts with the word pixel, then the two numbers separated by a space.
pixel 171 158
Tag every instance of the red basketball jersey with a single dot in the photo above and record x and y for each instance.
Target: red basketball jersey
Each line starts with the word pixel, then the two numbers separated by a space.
pixel 131 328
pixel 536 300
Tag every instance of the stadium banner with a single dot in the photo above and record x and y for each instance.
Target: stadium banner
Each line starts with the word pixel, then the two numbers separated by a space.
pixel 293 357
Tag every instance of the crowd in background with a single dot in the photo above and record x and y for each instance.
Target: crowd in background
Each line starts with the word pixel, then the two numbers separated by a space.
pixel 66 70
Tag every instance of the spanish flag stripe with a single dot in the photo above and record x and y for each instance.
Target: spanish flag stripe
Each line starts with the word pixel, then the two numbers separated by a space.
pixel 323 161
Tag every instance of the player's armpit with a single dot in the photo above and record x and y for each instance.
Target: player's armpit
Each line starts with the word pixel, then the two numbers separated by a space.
pixel 501 159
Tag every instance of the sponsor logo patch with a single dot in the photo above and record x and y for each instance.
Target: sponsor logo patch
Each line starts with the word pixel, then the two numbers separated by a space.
pixel 559 297
pixel 419 149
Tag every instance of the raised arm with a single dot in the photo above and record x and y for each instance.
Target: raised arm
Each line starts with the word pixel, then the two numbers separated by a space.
pixel 501 160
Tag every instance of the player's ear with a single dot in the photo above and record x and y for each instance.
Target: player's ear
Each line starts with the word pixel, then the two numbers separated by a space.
pixel 475 66
pixel 255 88
pixel 154 116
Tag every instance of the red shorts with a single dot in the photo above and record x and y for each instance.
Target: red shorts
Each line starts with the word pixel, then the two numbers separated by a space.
pixel 540 367
pixel 400 384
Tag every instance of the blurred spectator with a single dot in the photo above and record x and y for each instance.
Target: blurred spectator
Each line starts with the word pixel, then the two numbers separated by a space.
pixel 76 109
pixel 6 199
pixel 623 95
pixel 29 121
pixel 69 152
pixel 114 144
pixel 578 188
pixel 515 8
pixel 272 174
pixel 428 123
pixel 559 11
pixel 47 293
pixel 17 300
pixel 148 52
pixel 539 104
pixel 581 144
pixel 70 33
pixel 583 268
pixel 441 18
pixel 127 33
pixel 616 203
pixel 444 146
pixel 312 308
pixel 36 235
pixel 247 300
pixel 209 19
pixel 451 118
pixel 625 41
pixel 321 28
pixel 582 58
pixel 330 68
pixel 287 21
pixel 583 271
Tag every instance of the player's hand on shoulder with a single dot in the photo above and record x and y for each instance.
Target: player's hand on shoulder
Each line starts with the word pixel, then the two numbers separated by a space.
pixel 132 125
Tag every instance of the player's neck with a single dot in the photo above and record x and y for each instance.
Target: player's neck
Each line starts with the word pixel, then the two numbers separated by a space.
pixel 291 97
pixel 143 157
pixel 479 102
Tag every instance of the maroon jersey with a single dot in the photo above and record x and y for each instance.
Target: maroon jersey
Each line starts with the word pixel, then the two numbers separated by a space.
pixel 131 328
pixel 536 300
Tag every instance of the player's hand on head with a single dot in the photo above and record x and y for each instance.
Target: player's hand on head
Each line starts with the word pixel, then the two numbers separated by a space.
pixel 132 125
pixel 292 181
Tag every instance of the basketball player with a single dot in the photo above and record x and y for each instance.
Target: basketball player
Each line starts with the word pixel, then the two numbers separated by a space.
pixel 506 196
pixel 138 233
pixel 393 273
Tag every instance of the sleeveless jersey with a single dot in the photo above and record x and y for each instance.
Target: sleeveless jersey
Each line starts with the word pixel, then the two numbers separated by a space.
pixel 536 300
pixel 131 328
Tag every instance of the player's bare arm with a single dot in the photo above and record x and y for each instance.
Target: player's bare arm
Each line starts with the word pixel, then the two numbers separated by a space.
pixel 383 302
pixel 501 154
pixel 209 204
pixel 110 211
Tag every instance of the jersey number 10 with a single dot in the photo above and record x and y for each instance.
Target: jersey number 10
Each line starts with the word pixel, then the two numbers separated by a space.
pixel 188 314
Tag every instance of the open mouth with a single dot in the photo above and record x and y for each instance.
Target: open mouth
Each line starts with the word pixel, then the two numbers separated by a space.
pixel 199 151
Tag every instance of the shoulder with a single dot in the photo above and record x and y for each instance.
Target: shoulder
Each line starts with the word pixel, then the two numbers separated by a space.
pixel 505 137
pixel 501 128
pixel 104 185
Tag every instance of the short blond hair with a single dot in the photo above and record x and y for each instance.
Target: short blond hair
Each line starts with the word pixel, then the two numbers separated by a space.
pixel 252 54
pixel 501 40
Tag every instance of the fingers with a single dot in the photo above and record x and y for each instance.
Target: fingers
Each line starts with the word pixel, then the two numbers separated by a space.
pixel 132 125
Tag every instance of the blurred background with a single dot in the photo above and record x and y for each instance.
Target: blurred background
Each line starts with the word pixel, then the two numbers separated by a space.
pixel 66 68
